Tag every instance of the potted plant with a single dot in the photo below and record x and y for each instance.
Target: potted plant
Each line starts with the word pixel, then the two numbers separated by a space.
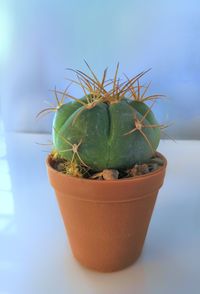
pixel 104 167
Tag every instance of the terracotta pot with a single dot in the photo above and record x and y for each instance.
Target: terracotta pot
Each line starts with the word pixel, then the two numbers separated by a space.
pixel 106 221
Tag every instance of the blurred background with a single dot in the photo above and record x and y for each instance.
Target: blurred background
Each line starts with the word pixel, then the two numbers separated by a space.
pixel 40 39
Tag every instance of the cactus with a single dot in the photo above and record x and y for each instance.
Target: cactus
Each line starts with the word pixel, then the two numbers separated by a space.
pixel 111 127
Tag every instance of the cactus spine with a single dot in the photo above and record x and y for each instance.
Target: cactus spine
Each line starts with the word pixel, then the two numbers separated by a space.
pixel 110 127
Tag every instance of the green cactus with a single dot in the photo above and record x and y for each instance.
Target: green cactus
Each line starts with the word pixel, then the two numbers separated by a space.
pixel 111 127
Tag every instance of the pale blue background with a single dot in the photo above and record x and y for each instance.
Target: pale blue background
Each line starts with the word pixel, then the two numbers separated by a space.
pixel 39 39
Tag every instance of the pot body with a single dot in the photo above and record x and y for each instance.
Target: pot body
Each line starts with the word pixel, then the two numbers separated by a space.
pixel 106 221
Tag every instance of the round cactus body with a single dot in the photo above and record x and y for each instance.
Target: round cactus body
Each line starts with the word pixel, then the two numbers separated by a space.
pixel 106 136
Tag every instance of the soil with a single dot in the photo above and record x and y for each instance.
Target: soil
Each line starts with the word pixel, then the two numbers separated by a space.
pixel 63 166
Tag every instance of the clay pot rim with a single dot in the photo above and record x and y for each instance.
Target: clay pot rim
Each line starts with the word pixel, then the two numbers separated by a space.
pixel 117 181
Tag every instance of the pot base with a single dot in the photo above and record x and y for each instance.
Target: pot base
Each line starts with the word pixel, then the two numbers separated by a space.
pixel 110 268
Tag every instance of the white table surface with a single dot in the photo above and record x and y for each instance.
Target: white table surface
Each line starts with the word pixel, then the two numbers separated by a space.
pixel 34 253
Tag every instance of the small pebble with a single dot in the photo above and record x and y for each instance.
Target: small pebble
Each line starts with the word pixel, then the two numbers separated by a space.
pixel 143 168
pixel 153 166
pixel 60 166
pixel 133 171
pixel 157 160
pixel 110 174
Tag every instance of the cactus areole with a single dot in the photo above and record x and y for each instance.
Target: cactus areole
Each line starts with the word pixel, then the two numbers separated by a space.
pixel 111 127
